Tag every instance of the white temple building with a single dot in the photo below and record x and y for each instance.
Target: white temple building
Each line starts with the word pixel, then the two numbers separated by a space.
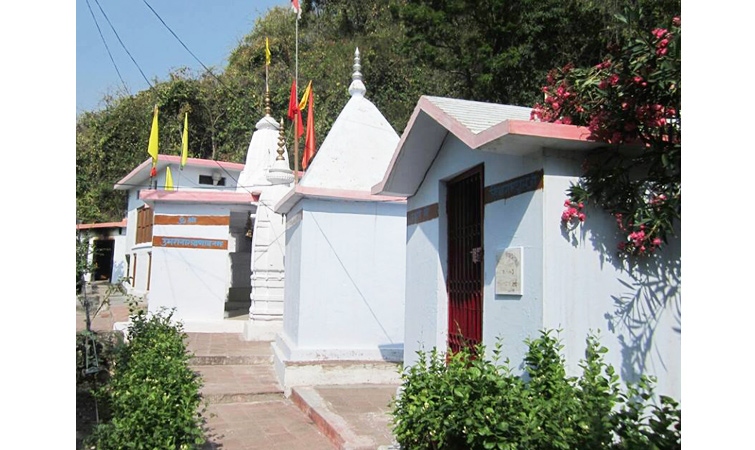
pixel 343 315
pixel 208 248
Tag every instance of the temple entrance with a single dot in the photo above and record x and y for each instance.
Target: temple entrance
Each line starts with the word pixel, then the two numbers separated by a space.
pixel 103 259
pixel 465 259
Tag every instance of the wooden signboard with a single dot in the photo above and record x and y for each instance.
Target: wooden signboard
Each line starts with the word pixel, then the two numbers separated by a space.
pixel 185 242
pixel 162 219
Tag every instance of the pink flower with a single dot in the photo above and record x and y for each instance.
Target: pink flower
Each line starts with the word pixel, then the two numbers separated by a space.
pixel 555 105
pixel 622 246
pixel 613 79
pixel 565 216
pixel 581 205
pixel 677 21
pixel 657 241
pixel 661 52
pixel 581 217
pixel 659 32
pixel 567 203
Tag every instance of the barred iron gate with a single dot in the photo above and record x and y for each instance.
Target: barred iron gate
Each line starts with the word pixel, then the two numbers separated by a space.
pixel 465 259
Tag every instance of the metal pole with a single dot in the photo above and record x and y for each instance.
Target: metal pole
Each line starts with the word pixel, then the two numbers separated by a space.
pixel 296 116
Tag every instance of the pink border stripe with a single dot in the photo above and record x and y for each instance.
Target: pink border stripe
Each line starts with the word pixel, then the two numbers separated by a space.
pixel 198 197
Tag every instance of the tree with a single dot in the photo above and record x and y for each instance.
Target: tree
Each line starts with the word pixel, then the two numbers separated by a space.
pixel 633 98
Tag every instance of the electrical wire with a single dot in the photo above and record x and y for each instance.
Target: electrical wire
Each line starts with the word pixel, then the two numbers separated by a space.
pixel 184 45
pixel 122 44
pixel 106 47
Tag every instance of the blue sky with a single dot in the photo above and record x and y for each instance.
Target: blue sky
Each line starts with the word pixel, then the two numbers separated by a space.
pixel 211 29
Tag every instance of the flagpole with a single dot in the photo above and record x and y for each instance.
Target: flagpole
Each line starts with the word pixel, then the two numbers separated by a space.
pixel 296 79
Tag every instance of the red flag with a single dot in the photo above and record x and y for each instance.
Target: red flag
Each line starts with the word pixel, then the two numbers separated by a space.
pixel 293 111
pixel 293 103
pixel 296 7
pixel 309 142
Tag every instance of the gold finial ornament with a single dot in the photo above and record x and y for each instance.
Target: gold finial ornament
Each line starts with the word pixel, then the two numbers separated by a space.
pixel 281 142
pixel 267 102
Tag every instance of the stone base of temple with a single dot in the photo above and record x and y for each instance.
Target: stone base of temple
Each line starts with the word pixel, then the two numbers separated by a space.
pixel 256 329
pixel 322 367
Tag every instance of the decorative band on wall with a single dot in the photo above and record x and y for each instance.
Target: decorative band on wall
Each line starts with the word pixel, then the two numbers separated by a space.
pixel 182 242
pixel 515 186
pixel 422 214
pixel 162 219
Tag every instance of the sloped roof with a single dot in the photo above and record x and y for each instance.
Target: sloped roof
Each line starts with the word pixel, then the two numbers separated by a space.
pixel 479 116
pixel 490 127
pixel 141 173
pixel 356 151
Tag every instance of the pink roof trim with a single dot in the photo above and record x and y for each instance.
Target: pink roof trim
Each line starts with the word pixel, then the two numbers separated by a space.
pixel 227 197
pixel 86 226
pixel 472 140
pixel 299 192
pixel 173 159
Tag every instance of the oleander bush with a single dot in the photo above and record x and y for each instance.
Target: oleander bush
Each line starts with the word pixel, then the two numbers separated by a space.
pixel 153 395
pixel 464 401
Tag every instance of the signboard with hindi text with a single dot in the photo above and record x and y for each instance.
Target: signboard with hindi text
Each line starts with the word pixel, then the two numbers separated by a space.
pixel 163 219
pixel 186 242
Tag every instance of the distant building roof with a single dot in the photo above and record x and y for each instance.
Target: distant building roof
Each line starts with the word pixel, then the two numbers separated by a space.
pixel 139 175
pixel 88 226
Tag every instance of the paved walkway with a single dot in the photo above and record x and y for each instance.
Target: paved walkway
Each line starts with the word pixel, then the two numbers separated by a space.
pixel 247 409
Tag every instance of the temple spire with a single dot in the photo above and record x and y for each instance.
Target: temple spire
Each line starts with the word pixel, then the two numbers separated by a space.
pixel 357 86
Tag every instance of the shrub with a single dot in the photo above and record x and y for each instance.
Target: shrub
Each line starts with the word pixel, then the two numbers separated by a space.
pixel 464 401
pixel 153 394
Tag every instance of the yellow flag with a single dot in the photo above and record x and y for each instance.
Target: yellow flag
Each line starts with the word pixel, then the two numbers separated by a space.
pixel 168 180
pixel 267 52
pixel 185 141
pixel 305 97
pixel 153 138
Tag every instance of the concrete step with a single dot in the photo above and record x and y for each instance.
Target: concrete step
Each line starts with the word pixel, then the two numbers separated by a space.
pixel 238 304
pixel 221 360
pixel 239 383
pixel 239 294
pixel 227 349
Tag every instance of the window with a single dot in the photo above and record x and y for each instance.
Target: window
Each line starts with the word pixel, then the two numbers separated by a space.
pixel 144 219
pixel 208 179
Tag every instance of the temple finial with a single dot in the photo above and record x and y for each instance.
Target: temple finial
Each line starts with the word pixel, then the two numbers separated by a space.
pixel 267 102
pixel 281 142
pixel 357 86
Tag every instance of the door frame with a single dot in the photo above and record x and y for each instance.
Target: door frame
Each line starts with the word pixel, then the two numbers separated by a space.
pixel 477 169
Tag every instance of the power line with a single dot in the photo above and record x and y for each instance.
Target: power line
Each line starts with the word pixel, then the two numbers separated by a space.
pixel 184 45
pixel 122 44
pixel 106 47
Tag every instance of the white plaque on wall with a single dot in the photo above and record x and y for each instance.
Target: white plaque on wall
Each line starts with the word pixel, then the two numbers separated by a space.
pixel 508 272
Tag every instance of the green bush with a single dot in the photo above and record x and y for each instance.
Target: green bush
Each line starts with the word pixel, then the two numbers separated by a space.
pixel 153 394
pixel 464 401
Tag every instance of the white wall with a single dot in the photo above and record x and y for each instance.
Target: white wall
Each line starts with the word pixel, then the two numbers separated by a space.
pixel 506 225
pixel 350 299
pixel 573 286
pixel 636 307
pixel 194 281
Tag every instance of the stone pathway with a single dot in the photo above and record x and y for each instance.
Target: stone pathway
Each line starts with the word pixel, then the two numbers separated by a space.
pixel 352 416
pixel 247 409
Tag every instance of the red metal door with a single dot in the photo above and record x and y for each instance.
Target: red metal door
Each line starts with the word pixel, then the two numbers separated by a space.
pixel 465 259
